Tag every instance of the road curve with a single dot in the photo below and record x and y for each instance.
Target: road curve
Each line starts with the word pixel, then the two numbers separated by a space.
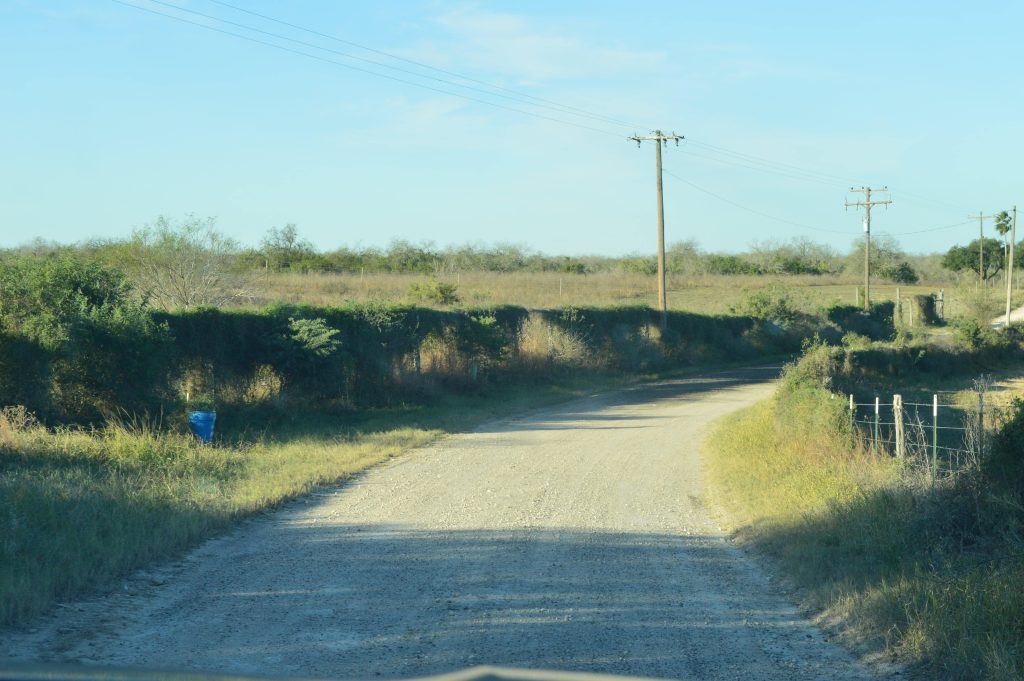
pixel 574 538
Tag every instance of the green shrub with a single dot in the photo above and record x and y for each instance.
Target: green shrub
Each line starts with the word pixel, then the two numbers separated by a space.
pixel 85 346
pixel 772 303
pixel 902 273
pixel 434 291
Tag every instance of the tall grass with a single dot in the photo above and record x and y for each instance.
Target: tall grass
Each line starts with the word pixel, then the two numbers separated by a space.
pixel 929 572
pixel 80 507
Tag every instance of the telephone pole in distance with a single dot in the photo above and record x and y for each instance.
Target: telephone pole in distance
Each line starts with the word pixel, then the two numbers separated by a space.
pixel 660 139
pixel 1009 265
pixel 981 243
pixel 867 203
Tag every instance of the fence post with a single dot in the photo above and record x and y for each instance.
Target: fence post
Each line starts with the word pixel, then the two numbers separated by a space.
pixel 877 439
pixel 898 311
pixel 897 417
pixel 935 437
pixel 853 418
pixel 981 423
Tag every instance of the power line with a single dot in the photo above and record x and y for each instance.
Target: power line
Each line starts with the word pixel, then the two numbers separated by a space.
pixel 725 155
pixel 925 199
pixel 799 224
pixel 368 71
pixel 769 171
pixel 930 229
pixel 517 98
pixel 788 167
pixel 425 65
pixel 753 210
pixel 839 179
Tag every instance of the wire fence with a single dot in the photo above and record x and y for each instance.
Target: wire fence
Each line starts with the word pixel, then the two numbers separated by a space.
pixel 945 437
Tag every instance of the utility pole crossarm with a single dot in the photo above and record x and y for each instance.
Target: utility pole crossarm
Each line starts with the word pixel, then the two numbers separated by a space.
pixel 657 135
pixel 660 139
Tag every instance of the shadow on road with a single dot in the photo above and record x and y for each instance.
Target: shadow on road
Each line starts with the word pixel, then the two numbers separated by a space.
pixel 391 601
pixel 581 413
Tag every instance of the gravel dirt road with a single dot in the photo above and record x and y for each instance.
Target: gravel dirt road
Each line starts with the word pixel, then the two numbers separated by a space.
pixel 574 538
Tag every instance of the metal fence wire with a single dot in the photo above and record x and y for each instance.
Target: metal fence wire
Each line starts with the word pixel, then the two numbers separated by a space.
pixel 945 437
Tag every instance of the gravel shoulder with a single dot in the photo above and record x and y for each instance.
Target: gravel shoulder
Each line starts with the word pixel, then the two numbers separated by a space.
pixel 573 538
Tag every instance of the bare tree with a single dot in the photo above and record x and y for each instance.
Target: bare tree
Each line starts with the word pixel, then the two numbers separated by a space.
pixel 186 264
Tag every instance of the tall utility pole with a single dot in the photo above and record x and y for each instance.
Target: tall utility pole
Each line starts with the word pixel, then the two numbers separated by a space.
pixel 867 203
pixel 1009 264
pixel 659 139
pixel 981 243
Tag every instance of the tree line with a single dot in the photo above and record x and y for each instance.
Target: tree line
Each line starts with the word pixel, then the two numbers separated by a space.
pixel 190 263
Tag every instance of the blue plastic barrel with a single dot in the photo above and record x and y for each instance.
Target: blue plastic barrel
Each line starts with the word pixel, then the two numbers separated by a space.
pixel 202 424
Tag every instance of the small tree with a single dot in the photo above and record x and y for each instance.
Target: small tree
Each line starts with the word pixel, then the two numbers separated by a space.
pixel 1003 225
pixel 283 249
pixel 961 258
pixel 308 359
pixel 886 256
pixel 185 265
pixel 903 273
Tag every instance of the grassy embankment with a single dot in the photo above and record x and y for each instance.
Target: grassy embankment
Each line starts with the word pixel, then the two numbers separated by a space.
pixel 930 572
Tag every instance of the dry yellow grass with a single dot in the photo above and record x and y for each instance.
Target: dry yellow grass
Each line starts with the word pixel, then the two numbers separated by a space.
pixel 873 543
pixel 707 294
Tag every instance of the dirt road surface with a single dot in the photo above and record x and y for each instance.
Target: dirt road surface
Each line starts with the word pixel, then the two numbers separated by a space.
pixel 575 538
pixel 1015 316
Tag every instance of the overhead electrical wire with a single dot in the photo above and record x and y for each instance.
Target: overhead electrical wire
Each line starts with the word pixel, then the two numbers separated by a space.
pixel 779 173
pixel 750 158
pixel 424 65
pixel 924 199
pixel 801 225
pixel 367 71
pixel 515 98
pixel 798 173
pixel 717 153
pixel 754 210
pixel 567 108
pixel 930 229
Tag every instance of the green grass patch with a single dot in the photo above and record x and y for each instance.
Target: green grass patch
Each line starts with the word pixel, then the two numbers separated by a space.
pixel 932 574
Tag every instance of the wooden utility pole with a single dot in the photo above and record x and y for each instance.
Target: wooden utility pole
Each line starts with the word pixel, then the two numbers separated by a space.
pixel 867 203
pixel 1009 264
pixel 981 244
pixel 659 139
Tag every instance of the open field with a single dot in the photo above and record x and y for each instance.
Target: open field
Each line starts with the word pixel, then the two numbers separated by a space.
pixel 707 294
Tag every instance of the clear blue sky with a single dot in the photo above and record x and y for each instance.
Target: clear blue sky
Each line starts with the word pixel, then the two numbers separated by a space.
pixel 112 116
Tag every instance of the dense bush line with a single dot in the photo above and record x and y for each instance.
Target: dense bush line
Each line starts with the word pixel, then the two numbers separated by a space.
pixel 77 346
pixel 285 250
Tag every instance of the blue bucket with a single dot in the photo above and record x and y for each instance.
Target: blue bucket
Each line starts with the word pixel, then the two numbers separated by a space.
pixel 202 424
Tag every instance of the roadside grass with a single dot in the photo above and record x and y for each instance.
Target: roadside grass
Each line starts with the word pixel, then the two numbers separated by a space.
pixel 930 574
pixel 80 509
